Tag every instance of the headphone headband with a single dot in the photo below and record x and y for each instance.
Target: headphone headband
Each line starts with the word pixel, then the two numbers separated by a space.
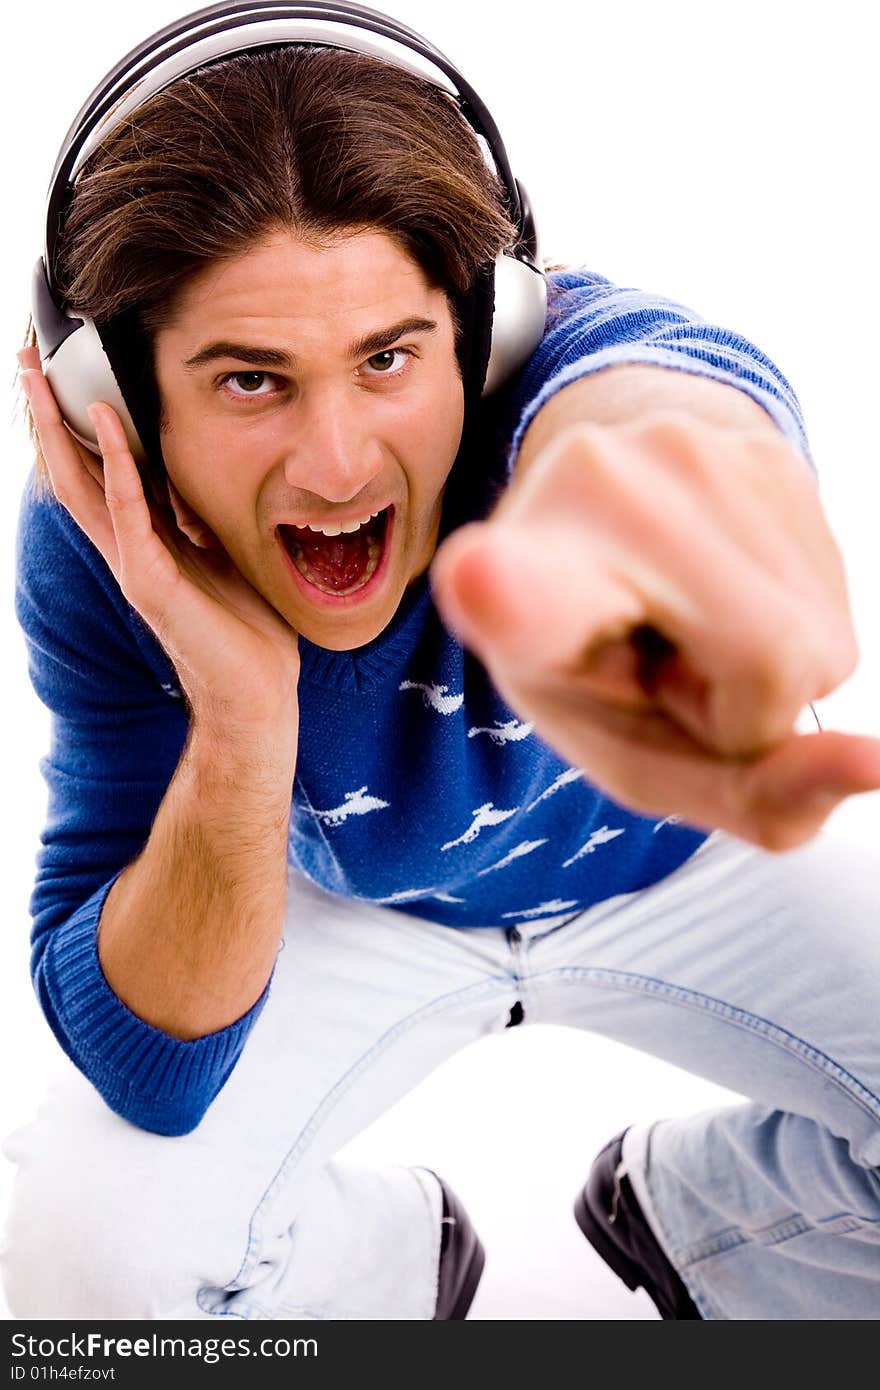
pixel 502 315
pixel 223 31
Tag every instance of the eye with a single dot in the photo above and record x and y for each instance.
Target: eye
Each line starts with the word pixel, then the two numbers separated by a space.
pixel 383 362
pixel 250 383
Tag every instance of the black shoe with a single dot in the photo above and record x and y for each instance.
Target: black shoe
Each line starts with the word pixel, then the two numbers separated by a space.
pixel 612 1221
pixel 462 1258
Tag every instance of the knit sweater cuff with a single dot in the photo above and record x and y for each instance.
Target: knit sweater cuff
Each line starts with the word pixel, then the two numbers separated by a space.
pixel 786 416
pixel 157 1082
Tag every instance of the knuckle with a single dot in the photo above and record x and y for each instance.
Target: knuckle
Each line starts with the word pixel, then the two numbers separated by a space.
pixel 786 657
pixel 749 815
pixel 62 493
pixel 680 447
pixel 142 596
pixel 814 657
pixel 579 446
pixel 776 835
pixel 591 461
pixel 673 428
pixel 839 664
pixel 114 498
pixel 777 453
pixel 578 462
pixel 847 655
pixel 44 407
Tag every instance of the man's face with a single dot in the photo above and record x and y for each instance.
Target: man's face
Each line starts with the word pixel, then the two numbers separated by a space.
pixel 280 415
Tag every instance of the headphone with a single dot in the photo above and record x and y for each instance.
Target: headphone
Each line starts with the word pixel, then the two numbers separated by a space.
pixel 82 360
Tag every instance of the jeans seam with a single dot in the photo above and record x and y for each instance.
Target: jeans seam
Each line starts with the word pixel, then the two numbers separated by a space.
pixel 740 1018
pixel 444 1004
pixel 788 1228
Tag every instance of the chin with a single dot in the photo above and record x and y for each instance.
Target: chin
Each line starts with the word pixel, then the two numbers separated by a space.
pixel 336 641
pixel 340 634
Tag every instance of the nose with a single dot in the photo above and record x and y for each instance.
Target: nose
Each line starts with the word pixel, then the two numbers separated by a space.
pixel 331 452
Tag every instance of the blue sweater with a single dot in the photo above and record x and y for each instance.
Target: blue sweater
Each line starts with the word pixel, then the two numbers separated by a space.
pixel 415 787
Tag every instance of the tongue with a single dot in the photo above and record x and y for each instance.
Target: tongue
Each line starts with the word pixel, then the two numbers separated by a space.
pixel 337 561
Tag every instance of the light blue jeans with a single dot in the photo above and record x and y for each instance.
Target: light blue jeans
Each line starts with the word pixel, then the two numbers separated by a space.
pixel 758 971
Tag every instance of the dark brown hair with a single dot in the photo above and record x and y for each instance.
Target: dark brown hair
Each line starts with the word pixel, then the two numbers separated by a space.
pixel 317 140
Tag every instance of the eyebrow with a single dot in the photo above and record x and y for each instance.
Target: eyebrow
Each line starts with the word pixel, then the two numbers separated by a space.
pixel 367 346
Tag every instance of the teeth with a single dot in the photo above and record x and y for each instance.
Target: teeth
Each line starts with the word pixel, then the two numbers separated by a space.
pixel 345 528
pixel 374 553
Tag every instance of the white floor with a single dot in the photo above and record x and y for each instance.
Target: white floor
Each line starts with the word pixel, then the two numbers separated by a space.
pixel 512 1124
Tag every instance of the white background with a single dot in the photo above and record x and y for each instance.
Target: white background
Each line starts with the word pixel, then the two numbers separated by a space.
pixel 724 156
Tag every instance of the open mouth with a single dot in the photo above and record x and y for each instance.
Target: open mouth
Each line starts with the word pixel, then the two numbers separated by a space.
pixel 337 565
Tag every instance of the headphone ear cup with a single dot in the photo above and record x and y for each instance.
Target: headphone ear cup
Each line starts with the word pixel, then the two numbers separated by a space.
pixel 79 373
pixel 518 320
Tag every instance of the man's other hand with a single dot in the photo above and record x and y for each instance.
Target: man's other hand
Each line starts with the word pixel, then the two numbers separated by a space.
pixel 663 599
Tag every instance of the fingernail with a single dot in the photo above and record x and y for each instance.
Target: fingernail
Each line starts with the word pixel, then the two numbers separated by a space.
pixel 26 383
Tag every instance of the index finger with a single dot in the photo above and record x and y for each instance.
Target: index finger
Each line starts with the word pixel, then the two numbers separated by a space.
pixel 493 588
pixel 29 357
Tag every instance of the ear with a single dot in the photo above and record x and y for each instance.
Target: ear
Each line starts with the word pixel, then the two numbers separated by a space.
pixel 189 523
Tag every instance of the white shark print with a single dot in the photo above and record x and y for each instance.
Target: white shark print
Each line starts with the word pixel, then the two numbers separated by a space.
pixel 543 909
pixel 434 696
pixel 598 837
pixel 670 820
pixel 484 815
pixel 355 804
pixel 517 852
pixel 571 774
pixel 511 732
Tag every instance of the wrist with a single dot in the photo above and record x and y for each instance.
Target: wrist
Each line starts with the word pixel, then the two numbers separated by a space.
pixel 272 724
pixel 257 757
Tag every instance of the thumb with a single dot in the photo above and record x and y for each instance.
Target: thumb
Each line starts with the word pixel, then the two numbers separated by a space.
pixel 818 771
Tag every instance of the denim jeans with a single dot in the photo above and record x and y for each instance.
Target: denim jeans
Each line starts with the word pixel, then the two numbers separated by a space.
pixel 758 971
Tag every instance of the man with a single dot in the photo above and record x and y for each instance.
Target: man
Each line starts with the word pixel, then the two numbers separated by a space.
pixel 670 674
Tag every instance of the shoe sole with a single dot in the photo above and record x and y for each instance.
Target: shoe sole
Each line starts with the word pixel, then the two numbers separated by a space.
pixel 462 1262
pixel 469 1282
pixel 624 1268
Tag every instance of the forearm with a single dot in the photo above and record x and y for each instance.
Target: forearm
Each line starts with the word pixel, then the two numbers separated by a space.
pixel 625 394
pixel 190 930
